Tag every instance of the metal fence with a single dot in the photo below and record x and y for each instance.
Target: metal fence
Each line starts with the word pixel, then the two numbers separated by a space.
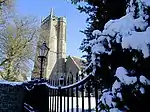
pixel 70 96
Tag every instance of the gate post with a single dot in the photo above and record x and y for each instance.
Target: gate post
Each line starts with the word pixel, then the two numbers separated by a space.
pixel 38 98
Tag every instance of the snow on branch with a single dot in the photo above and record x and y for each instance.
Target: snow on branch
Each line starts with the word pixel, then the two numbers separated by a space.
pixel 121 74
pixel 144 80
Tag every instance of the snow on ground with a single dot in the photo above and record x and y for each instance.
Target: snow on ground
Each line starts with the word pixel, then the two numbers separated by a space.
pixel 93 105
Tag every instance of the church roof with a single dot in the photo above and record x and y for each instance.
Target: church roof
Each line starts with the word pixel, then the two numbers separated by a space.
pixel 78 61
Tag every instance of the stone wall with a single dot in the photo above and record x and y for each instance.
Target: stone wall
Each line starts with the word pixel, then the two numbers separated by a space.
pixel 11 97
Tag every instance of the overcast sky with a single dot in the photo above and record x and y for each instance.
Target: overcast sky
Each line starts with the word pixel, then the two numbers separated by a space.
pixel 75 20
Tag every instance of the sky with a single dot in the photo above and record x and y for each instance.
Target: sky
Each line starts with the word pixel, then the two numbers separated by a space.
pixel 75 20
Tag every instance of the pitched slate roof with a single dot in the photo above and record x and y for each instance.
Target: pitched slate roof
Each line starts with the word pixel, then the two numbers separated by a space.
pixel 78 61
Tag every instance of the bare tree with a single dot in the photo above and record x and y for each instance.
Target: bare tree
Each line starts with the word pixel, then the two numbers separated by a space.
pixel 6 3
pixel 6 11
pixel 17 47
pixel 43 36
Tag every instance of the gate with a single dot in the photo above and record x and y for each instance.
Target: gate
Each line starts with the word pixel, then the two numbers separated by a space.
pixel 81 96
pixel 36 98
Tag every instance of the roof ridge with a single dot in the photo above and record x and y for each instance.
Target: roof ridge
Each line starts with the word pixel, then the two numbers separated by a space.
pixel 78 57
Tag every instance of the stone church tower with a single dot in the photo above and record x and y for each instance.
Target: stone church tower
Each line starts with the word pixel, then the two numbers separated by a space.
pixel 56 41
pixel 57 63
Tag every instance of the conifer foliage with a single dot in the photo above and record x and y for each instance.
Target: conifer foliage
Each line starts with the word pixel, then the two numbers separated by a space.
pixel 99 12
pixel 118 48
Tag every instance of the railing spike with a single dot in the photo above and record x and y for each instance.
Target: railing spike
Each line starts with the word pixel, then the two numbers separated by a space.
pixel 89 97
pixel 82 94
pixel 72 93
pixel 68 91
pixel 77 103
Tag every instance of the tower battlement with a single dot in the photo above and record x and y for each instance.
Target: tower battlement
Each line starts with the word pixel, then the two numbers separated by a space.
pixel 52 16
pixel 62 19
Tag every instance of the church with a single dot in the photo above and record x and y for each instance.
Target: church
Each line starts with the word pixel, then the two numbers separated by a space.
pixel 57 63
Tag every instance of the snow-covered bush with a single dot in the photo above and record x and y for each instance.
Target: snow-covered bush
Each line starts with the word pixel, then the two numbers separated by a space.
pixel 120 56
pixel 126 92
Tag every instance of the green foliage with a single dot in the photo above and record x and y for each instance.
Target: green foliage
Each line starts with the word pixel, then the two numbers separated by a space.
pixel 100 12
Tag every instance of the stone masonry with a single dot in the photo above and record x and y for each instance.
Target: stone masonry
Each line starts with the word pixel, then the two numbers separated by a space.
pixel 11 98
pixel 56 41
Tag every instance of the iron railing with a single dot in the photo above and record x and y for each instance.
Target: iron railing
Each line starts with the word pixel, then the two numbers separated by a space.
pixel 74 97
